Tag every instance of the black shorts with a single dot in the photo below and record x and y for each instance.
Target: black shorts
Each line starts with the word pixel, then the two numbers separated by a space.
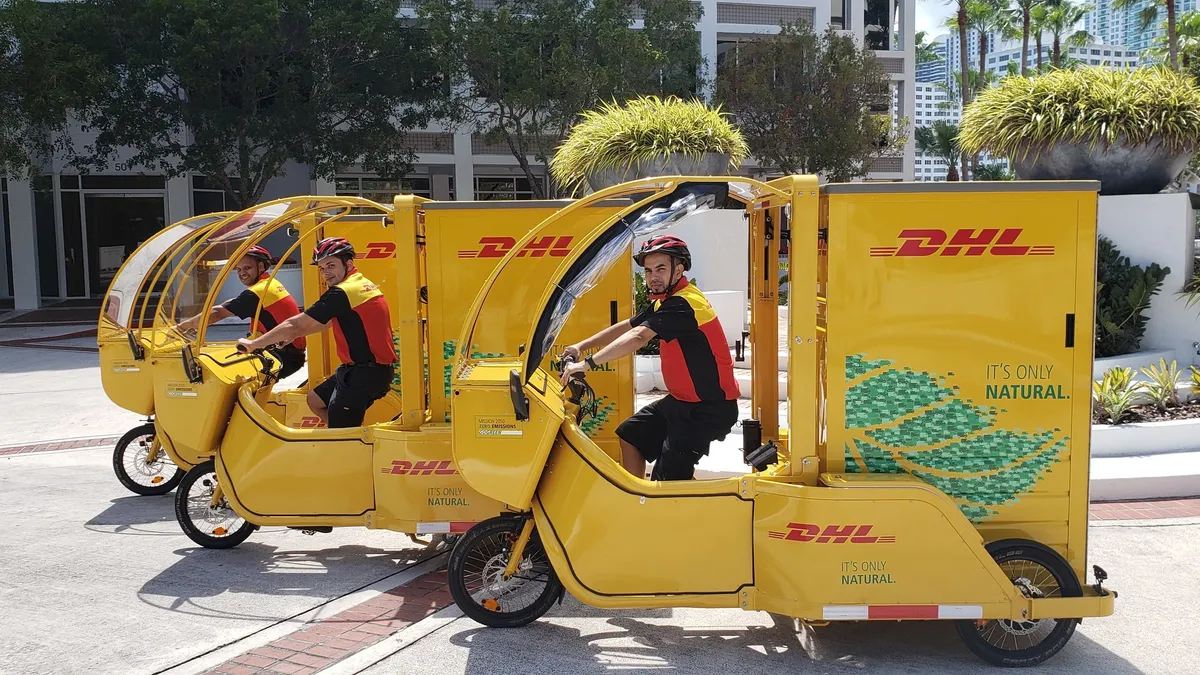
pixel 351 390
pixel 291 359
pixel 675 434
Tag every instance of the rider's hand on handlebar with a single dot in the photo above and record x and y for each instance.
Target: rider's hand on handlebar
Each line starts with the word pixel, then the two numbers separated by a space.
pixel 575 368
pixel 245 346
pixel 574 352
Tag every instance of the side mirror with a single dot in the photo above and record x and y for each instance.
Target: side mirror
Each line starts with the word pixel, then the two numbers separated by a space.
pixel 516 391
pixel 135 347
pixel 190 367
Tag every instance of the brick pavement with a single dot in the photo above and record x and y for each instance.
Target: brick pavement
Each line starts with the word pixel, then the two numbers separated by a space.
pixel 323 643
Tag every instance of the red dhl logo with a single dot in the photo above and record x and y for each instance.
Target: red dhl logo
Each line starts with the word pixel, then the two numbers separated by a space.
pixel 311 423
pixel 831 534
pixel 963 242
pixel 498 247
pixel 379 250
pixel 432 467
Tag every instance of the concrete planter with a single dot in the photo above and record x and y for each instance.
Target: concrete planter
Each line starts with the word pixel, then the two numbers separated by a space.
pixel 1121 169
pixel 675 164
pixel 1148 438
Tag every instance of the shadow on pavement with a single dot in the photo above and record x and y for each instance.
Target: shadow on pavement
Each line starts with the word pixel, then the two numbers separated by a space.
pixel 130 515
pixel 256 568
pixel 782 646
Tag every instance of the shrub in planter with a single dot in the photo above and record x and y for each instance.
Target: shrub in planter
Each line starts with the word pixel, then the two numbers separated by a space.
pixel 1161 385
pixel 1123 292
pixel 1134 131
pixel 1115 394
pixel 646 137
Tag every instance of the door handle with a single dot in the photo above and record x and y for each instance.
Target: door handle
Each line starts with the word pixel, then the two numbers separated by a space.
pixel 1070 339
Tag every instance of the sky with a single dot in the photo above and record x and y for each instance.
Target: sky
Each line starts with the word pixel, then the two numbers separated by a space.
pixel 931 14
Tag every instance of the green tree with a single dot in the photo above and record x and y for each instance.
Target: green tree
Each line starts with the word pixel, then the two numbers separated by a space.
pixel 42 75
pixel 1060 21
pixel 811 102
pixel 992 172
pixel 235 89
pixel 1023 17
pixel 1149 17
pixel 961 21
pixel 1187 37
pixel 926 51
pixel 986 17
pixel 941 140
pixel 522 72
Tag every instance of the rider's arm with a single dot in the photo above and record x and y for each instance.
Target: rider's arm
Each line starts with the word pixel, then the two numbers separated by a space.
pixel 288 330
pixel 631 341
pixel 312 320
pixel 217 313
pixel 605 336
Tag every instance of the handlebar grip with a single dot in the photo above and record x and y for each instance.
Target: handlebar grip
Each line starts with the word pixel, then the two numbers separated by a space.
pixel 241 348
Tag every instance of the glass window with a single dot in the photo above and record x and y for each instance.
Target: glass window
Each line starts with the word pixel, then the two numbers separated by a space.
pixel 69 182
pixel 207 201
pixel 489 188
pixel 47 239
pixel 380 190
pixel 7 236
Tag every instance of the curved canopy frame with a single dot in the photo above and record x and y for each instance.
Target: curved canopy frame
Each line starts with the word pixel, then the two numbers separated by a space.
pixel 658 203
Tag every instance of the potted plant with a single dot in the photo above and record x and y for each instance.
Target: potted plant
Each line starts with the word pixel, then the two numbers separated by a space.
pixel 1133 130
pixel 646 137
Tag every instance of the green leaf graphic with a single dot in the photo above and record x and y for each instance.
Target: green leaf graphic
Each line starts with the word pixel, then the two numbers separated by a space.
pixel 913 418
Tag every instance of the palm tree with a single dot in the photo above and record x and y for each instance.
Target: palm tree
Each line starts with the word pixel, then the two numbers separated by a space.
pixel 960 22
pixel 1022 14
pixel 1038 16
pixel 1149 16
pixel 926 52
pixel 1187 39
pixel 993 172
pixel 1061 20
pixel 941 140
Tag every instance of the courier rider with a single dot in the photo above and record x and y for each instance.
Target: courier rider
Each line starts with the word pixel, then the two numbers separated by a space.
pixel 675 431
pixel 362 331
pixel 277 306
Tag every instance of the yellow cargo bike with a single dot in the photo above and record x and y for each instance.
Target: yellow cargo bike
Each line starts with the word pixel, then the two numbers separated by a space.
pixel 255 455
pixel 934 460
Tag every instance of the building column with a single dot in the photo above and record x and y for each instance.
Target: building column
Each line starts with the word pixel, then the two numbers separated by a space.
pixel 179 199
pixel 464 167
pixel 23 231
pixel 708 45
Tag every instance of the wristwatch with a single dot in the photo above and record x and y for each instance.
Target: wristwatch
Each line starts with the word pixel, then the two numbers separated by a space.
pixel 590 362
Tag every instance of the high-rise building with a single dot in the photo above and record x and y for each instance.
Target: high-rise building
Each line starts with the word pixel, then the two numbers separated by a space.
pixel 933 103
pixel 1113 26
pixel 935 71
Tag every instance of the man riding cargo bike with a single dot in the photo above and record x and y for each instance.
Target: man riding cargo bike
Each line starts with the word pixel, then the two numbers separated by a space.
pixel 277 307
pixel 676 430
pixel 361 329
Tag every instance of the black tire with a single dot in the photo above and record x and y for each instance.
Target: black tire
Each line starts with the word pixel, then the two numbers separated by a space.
pixel 1051 576
pixel 483 552
pixel 194 499
pixel 138 476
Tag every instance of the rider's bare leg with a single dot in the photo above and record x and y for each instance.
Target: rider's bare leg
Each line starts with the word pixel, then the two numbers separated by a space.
pixel 632 460
pixel 316 405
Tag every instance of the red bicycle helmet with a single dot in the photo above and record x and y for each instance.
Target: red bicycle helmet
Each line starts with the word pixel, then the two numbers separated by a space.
pixel 672 246
pixel 332 246
pixel 260 254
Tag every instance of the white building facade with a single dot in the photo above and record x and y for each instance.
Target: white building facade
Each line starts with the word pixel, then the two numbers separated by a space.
pixel 64 233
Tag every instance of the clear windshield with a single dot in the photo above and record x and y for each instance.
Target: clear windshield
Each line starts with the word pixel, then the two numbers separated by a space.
pixel 200 265
pixel 124 290
pixel 611 247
